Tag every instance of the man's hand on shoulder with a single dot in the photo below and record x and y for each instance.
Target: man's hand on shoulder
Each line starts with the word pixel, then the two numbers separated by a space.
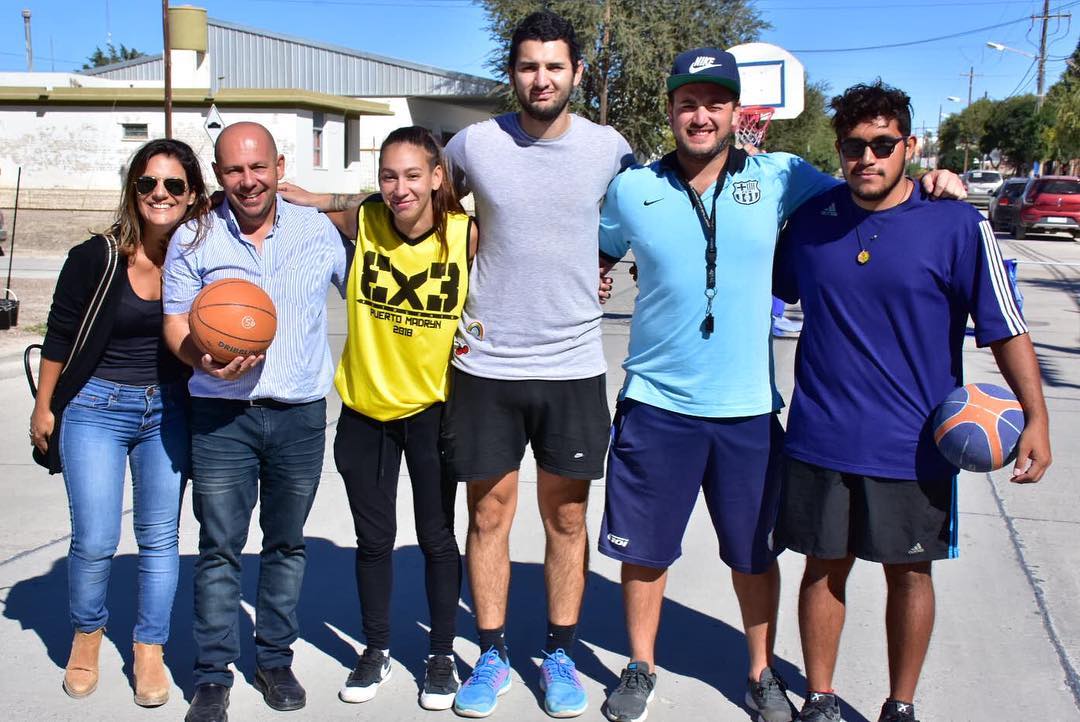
pixel 944 184
pixel 232 370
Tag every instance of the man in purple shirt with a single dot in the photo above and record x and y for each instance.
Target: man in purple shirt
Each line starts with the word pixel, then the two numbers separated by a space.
pixel 887 281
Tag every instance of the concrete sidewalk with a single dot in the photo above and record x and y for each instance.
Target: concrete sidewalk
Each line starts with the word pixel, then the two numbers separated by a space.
pixel 1006 645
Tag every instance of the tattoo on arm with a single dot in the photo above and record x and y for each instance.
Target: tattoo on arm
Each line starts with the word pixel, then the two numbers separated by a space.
pixel 343 201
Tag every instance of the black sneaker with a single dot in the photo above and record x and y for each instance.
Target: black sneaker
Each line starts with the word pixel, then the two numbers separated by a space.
pixel 894 711
pixel 441 683
pixel 630 700
pixel 768 697
pixel 820 707
pixel 371 670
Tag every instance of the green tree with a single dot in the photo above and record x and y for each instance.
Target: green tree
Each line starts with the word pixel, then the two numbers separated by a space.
pixel 1015 128
pixel 950 153
pixel 963 130
pixel 111 54
pixel 628 47
pixel 1061 132
pixel 811 134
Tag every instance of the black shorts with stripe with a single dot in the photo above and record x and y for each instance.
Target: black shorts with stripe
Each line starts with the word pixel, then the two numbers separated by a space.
pixel 831 514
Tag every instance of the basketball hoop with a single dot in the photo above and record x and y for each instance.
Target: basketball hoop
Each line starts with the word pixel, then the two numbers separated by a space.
pixel 751 125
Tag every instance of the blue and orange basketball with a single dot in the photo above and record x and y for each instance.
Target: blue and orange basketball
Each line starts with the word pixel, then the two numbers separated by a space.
pixel 977 426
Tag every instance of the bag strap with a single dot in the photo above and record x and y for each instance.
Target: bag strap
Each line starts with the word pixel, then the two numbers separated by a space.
pixel 28 369
pixel 93 308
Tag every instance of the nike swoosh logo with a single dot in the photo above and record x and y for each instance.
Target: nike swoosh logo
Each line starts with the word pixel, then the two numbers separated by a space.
pixel 656 200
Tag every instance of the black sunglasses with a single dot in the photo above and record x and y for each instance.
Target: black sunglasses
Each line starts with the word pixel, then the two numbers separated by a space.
pixel 854 148
pixel 147 183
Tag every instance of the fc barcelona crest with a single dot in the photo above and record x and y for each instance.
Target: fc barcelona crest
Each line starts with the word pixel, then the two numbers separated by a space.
pixel 746 192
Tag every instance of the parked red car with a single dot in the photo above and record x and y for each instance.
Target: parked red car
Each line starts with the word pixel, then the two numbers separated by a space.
pixel 1050 203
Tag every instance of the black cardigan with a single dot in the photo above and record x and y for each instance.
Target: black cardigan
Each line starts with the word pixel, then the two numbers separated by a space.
pixel 75 289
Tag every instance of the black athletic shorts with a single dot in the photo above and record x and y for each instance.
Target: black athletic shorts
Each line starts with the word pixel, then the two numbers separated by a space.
pixel 487 422
pixel 830 514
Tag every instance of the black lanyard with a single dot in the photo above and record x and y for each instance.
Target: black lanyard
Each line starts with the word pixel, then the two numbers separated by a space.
pixel 708 226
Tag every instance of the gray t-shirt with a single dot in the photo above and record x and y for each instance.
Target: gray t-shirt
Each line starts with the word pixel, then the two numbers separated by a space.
pixel 532 311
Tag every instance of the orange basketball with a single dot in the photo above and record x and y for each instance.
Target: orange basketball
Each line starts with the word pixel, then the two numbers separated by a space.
pixel 231 318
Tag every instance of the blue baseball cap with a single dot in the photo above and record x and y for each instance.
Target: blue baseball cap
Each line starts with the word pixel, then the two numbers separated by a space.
pixel 705 65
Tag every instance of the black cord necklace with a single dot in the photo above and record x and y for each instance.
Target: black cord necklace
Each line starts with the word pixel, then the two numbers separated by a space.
pixel 864 249
pixel 863 256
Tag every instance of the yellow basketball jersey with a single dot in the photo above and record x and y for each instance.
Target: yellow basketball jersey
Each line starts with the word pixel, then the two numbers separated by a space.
pixel 404 301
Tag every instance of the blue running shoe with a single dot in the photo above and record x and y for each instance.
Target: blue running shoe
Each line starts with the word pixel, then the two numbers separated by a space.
pixel 480 692
pixel 564 695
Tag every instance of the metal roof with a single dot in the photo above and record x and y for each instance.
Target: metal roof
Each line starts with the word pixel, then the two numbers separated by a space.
pixel 245 57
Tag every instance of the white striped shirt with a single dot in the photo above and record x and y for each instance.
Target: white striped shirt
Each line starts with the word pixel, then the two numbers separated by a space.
pixel 301 257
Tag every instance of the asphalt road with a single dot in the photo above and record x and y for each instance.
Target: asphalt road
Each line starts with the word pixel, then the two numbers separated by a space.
pixel 1006 645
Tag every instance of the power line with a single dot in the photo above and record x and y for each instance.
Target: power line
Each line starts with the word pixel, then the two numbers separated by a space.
pixel 909 43
pixel 1023 81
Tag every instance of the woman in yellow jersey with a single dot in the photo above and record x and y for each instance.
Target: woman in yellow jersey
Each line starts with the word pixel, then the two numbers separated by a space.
pixel 406 287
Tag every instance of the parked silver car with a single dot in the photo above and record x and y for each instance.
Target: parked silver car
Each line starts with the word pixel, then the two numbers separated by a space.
pixel 981 185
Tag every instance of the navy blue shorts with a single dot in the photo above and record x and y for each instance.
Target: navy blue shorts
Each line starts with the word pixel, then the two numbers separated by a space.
pixel 657 463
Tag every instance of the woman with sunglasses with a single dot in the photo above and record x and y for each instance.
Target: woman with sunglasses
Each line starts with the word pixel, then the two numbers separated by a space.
pixel 111 394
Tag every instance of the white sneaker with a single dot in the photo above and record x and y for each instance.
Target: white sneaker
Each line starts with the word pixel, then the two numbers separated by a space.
pixel 371 670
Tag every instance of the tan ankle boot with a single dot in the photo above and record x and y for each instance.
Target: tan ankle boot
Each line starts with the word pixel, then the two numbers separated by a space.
pixel 151 679
pixel 81 673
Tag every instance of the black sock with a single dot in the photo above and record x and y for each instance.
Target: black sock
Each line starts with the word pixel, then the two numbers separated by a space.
pixel 493 638
pixel 560 637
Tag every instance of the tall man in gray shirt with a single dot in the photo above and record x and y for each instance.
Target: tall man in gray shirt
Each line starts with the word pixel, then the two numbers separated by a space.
pixel 528 361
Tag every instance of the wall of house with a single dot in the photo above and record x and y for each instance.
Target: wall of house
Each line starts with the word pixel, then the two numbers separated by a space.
pixel 441 117
pixel 73 158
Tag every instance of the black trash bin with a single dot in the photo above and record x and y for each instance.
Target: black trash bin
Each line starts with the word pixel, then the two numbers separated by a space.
pixel 9 310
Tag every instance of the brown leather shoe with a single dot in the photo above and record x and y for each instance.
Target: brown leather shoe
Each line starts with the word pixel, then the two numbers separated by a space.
pixel 151 679
pixel 81 673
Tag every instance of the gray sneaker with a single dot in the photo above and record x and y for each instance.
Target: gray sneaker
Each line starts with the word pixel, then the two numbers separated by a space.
pixel 768 697
pixel 630 700
pixel 820 707
pixel 894 711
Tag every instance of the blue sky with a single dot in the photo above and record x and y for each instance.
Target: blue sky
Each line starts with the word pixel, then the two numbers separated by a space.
pixel 450 34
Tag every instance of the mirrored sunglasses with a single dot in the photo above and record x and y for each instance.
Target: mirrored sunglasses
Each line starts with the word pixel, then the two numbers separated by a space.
pixel 173 186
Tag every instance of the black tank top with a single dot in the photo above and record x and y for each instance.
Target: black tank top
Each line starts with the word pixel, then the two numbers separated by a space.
pixel 136 354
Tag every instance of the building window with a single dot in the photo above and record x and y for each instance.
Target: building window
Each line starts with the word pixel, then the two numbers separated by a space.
pixel 136 131
pixel 318 122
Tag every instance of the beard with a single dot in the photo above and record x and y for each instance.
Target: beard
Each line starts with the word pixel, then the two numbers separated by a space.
pixel 877 195
pixel 698 153
pixel 544 113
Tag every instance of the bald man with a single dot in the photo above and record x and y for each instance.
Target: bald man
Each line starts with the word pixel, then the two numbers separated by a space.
pixel 258 424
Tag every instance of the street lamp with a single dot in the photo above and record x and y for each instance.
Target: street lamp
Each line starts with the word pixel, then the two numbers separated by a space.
pixel 1038 58
pixel 1002 48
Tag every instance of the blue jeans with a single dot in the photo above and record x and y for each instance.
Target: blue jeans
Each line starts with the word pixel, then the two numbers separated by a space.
pixel 240 455
pixel 104 426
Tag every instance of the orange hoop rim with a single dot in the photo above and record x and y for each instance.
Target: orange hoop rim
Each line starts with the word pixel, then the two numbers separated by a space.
pixel 752 124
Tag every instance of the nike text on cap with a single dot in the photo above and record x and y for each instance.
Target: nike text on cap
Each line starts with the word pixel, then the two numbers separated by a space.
pixel 705 65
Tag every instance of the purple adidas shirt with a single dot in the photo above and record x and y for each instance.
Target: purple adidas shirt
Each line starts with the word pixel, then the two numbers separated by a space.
pixel 881 344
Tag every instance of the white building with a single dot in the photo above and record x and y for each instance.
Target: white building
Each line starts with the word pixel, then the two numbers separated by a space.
pixel 328 107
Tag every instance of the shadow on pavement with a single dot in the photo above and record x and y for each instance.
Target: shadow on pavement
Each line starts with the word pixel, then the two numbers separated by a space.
pixel 691 643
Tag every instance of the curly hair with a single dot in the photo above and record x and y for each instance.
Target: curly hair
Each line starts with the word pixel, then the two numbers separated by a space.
pixel 545 26
pixel 861 103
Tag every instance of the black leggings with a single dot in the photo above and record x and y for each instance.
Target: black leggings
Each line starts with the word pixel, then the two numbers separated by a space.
pixel 368 456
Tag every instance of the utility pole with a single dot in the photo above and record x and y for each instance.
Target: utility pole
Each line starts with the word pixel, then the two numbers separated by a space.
pixel 1045 17
pixel 168 67
pixel 970 74
pixel 605 49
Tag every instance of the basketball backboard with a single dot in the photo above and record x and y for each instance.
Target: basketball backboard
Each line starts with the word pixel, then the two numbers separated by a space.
pixel 772 77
